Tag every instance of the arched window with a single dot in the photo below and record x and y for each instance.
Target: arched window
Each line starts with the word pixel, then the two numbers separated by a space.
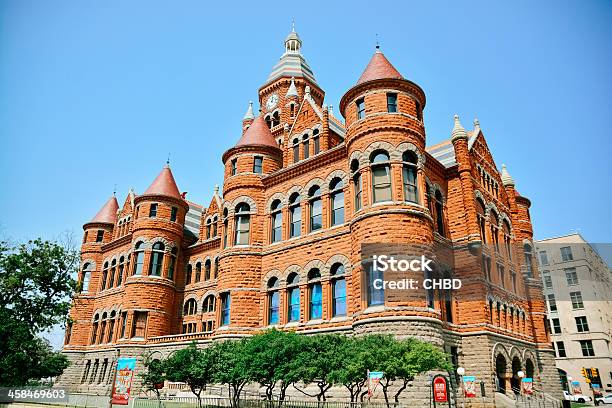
pixel 506 234
pixel 243 224
pixel 111 276
pixel 293 297
pixel 480 215
pixel 269 121
pixel 295 213
pixel 306 146
pixel 273 301
pixel 225 228
pixel 338 284
pixel 111 327
pixel 138 258
pixel 409 175
pixel 189 273
pixel 316 208
pixel 209 304
pixel 208 229
pixel 198 273
pixel 275 119
pixel 357 184
pixel 381 176
pixel 215 220
pixel 439 204
pixel 225 308
pixel 207 270
pixel 494 221
pixel 216 268
pixel 316 141
pixel 296 150
pixel 104 276
pixel 528 260
pixel 86 277
pixel 172 263
pixel 277 221
pixel 94 329
pixel 190 308
pixel 315 294
pixel 102 328
pixel 157 257
pixel 336 198
pixel 120 271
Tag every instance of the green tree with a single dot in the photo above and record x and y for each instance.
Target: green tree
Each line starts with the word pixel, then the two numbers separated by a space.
pixel 35 288
pixel 231 366
pixel 192 366
pixel 153 376
pixel 353 373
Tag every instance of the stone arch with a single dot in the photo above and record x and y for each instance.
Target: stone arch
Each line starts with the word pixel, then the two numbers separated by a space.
pixel 435 187
pixel 316 264
pixel 144 240
pixel 294 189
pixel 276 196
pixel 339 258
pixel 407 146
pixel 294 269
pixel 194 262
pixel 91 262
pixel 168 245
pixel 492 206
pixel 274 273
pixel 336 173
pixel 316 181
pixel 380 145
pixel 478 194
pixel 360 157
pixel 243 199
pixel 188 298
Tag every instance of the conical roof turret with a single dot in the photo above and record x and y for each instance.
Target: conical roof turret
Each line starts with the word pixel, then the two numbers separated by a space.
pixel 108 212
pixel 164 185
pixel 379 67
pixel 258 134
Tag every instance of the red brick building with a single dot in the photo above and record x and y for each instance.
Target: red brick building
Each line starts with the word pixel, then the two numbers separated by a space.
pixel 281 246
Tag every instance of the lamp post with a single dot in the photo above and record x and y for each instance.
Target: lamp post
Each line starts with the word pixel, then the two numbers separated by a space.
pixel 569 385
pixel 520 374
pixel 461 373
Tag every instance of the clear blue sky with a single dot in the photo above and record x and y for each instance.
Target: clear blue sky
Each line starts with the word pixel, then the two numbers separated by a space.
pixel 97 93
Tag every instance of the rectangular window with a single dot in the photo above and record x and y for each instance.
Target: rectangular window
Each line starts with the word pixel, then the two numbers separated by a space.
pixel 234 167
pixel 547 280
pixel 360 108
pixel 85 237
pixel 258 165
pixel 123 324
pixel 100 236
pixel 294 304
pixel 316 214
pixel 571 276
pixel 296 152
pixel 576 298
pixel 376 296
pixel 556 326
pixel 306 145
pixel 357 186
pixel 86 280
pixel 561 349
pixel 225 309
pixel 317 144
pixel 502 275
pixel 566 254
pixel 173 214
pixel 391 102
pixel 552 303
pixel 581 324
pixel 140 324
pixel 296 221
pixel 587 348
pixel 543 258
pixel 153 210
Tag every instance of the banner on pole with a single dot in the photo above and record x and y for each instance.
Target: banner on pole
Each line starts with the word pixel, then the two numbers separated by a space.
pixel 123 381
pixel 469 386
pixel 374 378
pixel 576 388
pixel 527 385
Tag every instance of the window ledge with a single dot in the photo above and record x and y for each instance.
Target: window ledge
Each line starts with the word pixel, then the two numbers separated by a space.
pixel 293 324
pixel 314 322
pixel 336 319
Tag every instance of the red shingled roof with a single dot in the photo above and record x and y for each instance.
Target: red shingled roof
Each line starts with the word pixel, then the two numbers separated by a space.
pixel 257 134
pixel 164 185
pixel 379 67
pixel 108 213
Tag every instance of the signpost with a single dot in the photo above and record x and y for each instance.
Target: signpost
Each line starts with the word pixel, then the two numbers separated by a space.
pixel 124 373
pixel 439 386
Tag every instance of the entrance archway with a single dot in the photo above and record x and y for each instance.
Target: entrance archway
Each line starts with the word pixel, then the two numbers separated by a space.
pixel 515 381
pixel 563 379
pixel 500 373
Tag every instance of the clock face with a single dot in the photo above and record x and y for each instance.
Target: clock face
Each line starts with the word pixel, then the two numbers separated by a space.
pixel 272 101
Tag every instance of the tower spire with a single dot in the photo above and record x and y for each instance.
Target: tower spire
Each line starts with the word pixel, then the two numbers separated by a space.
pixel 249 115
pixel 458 130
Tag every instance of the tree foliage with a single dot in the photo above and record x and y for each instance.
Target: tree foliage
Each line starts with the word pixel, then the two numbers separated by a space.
pixel 35 288
pixel 277 360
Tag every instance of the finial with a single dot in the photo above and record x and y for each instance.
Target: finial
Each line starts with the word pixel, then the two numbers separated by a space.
pixel 307 90
pixel 476 123
pixel 216 189
pixel 168 160
pixel 458 130
pixel 292 91
pixel 293 24
pixel 249 113
pixel 506 178
pixel 115 190
pixel 377 43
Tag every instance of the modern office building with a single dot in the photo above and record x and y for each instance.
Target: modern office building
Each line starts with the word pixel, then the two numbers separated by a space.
pixel 578 289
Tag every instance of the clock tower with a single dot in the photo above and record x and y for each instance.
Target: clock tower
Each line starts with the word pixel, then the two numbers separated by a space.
pixel 285 87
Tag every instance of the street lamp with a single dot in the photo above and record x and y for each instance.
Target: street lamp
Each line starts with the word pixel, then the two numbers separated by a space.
pixel 520 374
pixel 569 387
pixel 461 373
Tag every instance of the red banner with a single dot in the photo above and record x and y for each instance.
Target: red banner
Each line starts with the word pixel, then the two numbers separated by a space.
pixel 123 381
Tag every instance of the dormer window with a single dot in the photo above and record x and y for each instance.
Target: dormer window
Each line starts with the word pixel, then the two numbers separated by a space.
pixel 173 214
pixel 100 236
pixel 234 167
pixel 360 108
pixel 392 102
